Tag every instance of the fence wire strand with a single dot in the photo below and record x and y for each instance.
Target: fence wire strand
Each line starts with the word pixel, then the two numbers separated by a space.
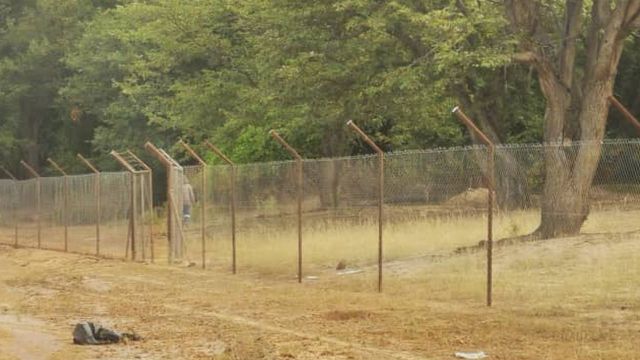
pixel 435 202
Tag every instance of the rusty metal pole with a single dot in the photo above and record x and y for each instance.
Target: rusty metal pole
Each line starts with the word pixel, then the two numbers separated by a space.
pixel 132 224
pixel 150 173
pixel 141 174
pixel 233 201
pixel 625 112
pixel 158 154
pixel 65 178
pixel 299 185
pixel 203 207
pixel 15 205
pixel 490 197
pixel 133 216
pixel 15 214
pixel 38 200
pixel 380 153
pixel 151 218
pixel 8 173
pixel 97 190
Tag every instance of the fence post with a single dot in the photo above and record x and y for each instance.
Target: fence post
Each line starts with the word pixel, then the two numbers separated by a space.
pixel 491 189
pixel 132 217
pixel 203 206
pixel 65 178
pixel 300 182
pixel 8 173
pixel 150 172
pixel 38 194
pixel 172 211
pixel 97 189
pixel 15 204
pixel 156 152
pixel 380 153
pixel 233 201
pixel 625 112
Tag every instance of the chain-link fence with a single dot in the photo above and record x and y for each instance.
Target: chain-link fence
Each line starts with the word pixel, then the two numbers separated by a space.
pixel 88 214
pixel 435 203
pixel 435 207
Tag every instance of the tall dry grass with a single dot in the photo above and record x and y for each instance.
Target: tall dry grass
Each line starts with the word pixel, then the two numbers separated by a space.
pixel 273 249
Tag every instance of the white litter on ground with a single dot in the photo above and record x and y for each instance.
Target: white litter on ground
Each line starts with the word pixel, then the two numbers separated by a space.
pixel 471 355
pixel 350 272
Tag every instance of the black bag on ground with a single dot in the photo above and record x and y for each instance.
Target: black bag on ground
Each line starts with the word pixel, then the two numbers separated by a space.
pixel 88 333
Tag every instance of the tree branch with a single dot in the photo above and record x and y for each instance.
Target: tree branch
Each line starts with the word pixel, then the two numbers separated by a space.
pixel 632 20
pixel 633 11
pixel 462 8
pixel 572 28
pixel 527 57
pixel 521 14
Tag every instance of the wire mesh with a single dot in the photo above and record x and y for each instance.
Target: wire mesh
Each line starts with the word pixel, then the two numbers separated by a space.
pixel 266 218
pixel 614 191
pixel 193 216
pixel 340 228
pixel 218 200
pixel 28 216
pixel 576 267
pixel 435 204
pixel 40 209
pixel 8 189
pixel 115 194
pixel 82 213
pixel 179 248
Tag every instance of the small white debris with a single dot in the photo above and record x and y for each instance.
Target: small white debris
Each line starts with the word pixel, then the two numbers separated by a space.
pixel 471 355
pixel 349 272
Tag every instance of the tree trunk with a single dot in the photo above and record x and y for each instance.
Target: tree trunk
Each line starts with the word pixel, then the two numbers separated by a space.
pixel 564 208
pixel 576 95
pixel 565 205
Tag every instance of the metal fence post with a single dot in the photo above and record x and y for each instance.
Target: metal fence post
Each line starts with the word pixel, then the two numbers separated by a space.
pixel 38 195
pixel 15 213
pixel 300 183
pixel 65 210
pixel 132 237
pixel 626 113
pixel 97 190
pixel 203 207
pixel 15 205
pixel 150 173
pixel 133 216
pixel 233 201
pixel 172 211
pixel 156 152
pixel 380 153
pixel 490 197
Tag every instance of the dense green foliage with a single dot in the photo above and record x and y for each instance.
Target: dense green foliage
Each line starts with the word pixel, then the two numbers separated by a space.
pixel 160 70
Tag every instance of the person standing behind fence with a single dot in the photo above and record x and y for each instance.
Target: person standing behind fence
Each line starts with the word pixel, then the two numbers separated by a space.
pixel 188 199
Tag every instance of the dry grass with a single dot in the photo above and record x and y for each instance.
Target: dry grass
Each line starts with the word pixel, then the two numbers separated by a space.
pixel 575 298
pixel 273 250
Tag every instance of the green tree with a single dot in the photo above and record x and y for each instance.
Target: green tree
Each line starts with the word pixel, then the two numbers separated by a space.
pixel 576 65
pixel 34 36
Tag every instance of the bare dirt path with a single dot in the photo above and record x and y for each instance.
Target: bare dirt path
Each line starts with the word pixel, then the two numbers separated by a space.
pixel 428 310
pixel 26 338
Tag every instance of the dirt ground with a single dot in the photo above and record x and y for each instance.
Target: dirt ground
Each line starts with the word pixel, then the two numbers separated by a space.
pixel 565 299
